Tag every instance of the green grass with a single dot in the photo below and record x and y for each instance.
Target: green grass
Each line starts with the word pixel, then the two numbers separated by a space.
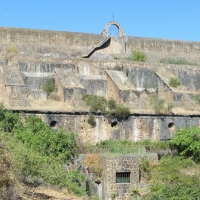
pixel 177 61
pixel 197 99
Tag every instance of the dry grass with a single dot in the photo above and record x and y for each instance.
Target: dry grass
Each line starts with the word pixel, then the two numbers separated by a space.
pixel 92 162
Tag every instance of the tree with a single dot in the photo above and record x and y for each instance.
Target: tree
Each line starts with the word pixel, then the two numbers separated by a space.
pixel 187 142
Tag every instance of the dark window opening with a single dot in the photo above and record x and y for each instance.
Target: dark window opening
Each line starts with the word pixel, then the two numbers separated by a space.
pixel 171 125
pixel 114 123
pixel 123 177
pixel 53 124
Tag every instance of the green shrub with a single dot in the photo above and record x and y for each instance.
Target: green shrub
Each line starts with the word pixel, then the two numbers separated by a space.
pixel 168 183
pixel 49 86
pixel 96 103
pixel 38 152
pixel 91 120
pixel 33 167
pixel 120 111
pixel 8 120
pixel 38 136
pixel 174 82
pixel 157 104
pixel 187 142
pixel 139 56
pixel 111 108
pixel 112 104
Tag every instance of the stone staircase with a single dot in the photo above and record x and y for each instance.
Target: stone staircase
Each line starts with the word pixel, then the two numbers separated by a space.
pixel 96 47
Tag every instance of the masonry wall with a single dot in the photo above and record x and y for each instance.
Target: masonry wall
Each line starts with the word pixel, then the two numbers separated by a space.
pixel 59 44
pixel 113 164
pixel 136 128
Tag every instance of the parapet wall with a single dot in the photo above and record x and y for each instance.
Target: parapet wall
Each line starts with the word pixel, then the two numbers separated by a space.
pixel 163 45
pixel 85 41
pixel 47 38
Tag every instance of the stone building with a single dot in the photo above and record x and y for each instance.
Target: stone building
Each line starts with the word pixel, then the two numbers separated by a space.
pixel 120 176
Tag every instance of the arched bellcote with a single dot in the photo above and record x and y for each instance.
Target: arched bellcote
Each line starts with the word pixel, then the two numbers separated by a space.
pixel 120 32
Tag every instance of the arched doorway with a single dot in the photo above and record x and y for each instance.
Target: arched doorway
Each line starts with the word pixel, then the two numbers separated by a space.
pixel 113 23
pixel 113 30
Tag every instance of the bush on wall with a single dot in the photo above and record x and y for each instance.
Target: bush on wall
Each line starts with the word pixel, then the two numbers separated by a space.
pixel 139 56
pixel 157 104
pixel 109 108
pixel 174 82
pixel 49 86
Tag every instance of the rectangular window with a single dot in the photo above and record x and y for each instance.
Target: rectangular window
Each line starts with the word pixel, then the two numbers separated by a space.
pixel 123 177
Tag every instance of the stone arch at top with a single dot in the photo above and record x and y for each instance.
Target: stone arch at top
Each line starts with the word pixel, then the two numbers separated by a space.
pixel 105 31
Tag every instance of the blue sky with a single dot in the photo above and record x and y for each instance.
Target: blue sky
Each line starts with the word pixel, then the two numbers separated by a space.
pixel 167 19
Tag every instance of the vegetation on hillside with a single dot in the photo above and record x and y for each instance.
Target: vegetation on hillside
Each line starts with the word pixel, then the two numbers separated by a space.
pixel 177 61
pixel 158 104
pixel 11 51
pixel 39 153
pixel 109 108
pixel 49 86
pixel 168 179
pixel 187 142
pixel 174 82
pixel 176 175
pixel 197 99
pixel 139 56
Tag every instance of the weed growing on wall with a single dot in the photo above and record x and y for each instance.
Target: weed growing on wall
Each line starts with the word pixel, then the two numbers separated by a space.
pixel 145 168
pixel 174 82
pixel 177 61
pixel 49 86
pixel 109 108
pixel 139 56
pixel 197 99
pixel 157 104
pixel 91 120
pixel 10 52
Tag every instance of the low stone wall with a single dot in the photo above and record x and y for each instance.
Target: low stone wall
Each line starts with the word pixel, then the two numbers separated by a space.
pixel 136 128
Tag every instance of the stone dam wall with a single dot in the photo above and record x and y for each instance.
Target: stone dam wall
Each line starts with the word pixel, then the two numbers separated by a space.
pixel 137 127
pixel 28 58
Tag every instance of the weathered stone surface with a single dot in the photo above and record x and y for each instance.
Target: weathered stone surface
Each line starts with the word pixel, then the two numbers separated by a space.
pixel 42 55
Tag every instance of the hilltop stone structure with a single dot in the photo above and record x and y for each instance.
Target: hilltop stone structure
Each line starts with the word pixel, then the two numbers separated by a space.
pixel 80 63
